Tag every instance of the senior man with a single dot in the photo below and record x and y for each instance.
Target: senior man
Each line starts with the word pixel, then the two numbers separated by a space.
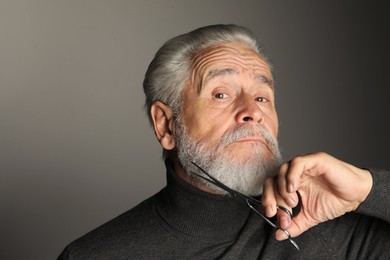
pixel 210 99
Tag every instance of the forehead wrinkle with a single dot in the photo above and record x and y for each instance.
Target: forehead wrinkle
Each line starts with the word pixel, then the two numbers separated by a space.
pixel 201 64
pixel 203 76
pixel 217 53
pixel 239 58
pixel 213 52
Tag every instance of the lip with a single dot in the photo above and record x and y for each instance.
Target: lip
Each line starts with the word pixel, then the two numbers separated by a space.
pixel 252 139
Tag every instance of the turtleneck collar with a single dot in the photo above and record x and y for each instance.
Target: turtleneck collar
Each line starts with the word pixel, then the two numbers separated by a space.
pixel 200 214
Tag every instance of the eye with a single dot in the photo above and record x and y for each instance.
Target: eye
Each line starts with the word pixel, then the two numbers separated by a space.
pixel 261 99
pixel 220 95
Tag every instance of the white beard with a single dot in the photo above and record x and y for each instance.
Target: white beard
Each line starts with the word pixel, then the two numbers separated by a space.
pixel 245 175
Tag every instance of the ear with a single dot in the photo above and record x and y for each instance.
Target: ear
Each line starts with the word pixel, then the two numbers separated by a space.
pixel 162 118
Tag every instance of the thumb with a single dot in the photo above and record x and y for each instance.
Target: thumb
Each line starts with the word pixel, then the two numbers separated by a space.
pixel 299 224
pixel 284 216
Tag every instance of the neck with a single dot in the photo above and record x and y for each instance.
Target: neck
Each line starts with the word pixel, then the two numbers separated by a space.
pixel 198 213
pixel 193 180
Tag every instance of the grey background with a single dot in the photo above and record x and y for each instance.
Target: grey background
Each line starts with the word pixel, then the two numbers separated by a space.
pixel 75 146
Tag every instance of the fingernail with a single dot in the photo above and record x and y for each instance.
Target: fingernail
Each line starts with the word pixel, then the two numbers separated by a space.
pixel 292 201
pixel 284 222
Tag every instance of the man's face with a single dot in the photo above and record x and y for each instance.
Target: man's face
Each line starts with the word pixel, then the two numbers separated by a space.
pixel 229 114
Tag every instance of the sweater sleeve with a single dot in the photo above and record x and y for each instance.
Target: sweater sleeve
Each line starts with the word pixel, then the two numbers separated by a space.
pixel 377 204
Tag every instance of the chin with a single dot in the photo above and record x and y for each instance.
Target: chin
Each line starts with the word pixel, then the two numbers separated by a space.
pixel 249 157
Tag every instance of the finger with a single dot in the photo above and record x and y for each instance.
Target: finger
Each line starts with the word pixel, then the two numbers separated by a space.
pixel 284 188
pixel 268 198
pixel 281 235
pixel 299 224
pixel 310 164
pixel 294 170
pixel 281 179
pixel 284 217
pixel 296 228
pixel 283 210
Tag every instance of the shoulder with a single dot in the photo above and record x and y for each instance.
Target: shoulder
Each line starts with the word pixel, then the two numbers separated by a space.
pixel 121 235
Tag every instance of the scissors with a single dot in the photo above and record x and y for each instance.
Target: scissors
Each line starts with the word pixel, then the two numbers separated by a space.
pixel 251 202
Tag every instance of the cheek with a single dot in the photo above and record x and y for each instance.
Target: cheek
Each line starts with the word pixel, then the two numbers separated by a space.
pixel 273 125
pixel 207 126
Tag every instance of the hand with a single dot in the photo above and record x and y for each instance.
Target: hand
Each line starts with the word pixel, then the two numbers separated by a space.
pixel 328 188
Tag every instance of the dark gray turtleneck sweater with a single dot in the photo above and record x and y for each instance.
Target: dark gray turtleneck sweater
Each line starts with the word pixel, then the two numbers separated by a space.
pixel 182 222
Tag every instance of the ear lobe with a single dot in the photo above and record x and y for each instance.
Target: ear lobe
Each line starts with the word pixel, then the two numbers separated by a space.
pixel 162 118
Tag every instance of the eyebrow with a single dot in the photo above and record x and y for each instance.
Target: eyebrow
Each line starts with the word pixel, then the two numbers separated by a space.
pixel 229 71
pixel 263 79
pixel 220 72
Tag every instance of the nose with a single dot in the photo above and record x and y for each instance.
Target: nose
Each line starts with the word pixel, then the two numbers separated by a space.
pixel 249 111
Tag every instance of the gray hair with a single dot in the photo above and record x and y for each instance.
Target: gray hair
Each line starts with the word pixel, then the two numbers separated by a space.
pixel 170 68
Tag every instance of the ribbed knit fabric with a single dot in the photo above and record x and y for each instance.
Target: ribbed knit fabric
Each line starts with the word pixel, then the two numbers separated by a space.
pixel 182 222
pixel 200 215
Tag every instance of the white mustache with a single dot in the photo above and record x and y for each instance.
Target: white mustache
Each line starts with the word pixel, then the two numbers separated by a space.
pixel 245 132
